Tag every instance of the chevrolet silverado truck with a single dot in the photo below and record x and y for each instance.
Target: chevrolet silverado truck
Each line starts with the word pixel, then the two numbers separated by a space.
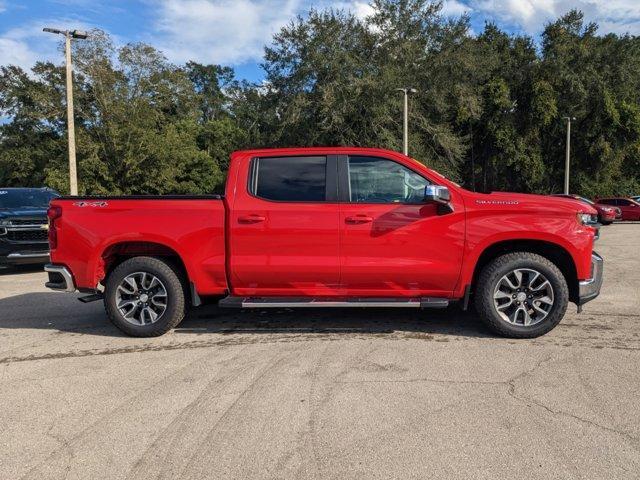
pixel 23 225
pixel 328 227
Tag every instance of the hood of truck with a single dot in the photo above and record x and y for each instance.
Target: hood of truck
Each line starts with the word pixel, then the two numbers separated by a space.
pixel 529 202
pixel 22 212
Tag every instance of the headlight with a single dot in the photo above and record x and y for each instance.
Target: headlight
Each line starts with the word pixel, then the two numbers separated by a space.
pixel 4 223
pixel 587 219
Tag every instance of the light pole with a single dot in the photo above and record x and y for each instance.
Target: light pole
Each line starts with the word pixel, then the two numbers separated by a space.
pixel 405 132
pixel 71 132
pixel 566 160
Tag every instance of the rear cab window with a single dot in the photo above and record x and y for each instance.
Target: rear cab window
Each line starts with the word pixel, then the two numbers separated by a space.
pixel 289 179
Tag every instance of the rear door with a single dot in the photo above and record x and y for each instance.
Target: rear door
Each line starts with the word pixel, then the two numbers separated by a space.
pixel 392 243
pixel 283 225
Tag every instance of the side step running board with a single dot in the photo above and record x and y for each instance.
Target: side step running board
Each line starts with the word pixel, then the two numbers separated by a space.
pixel 306 302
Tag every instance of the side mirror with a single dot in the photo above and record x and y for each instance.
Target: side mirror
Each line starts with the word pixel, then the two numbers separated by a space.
pixel 437 194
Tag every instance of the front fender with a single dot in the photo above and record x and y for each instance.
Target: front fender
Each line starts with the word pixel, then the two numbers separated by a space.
pixel 576 240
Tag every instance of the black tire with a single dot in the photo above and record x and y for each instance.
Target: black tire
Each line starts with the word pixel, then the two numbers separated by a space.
pixel 501 266
pixel 606 223
pixel 175 298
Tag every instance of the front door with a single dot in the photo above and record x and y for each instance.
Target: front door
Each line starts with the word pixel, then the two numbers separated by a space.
pixel 630 209
pixel 283 225
pixel 392 243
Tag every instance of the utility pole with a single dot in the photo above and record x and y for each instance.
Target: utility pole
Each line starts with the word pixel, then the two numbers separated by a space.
pixel 71 131
pixel 567 155
pixel 405 130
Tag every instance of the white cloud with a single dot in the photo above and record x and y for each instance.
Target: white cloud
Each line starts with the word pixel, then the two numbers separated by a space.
pixel 360 8
pixel 25 45
pixel 454 8
pixel 619 16
pixel 230 31
pixel 223 31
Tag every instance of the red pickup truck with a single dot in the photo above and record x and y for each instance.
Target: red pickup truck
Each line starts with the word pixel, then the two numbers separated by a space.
pixel 328 227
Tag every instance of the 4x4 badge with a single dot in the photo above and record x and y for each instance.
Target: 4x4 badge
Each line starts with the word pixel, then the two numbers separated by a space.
pixel 91 204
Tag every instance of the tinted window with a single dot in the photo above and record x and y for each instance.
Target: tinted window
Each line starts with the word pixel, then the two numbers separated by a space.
pixel 292 179
pixel 25 198
pixel 607 201
pixel 586 200
pixel 376 180
pixel 624 203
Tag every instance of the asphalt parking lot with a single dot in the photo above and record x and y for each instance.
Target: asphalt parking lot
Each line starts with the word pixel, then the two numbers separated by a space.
pixel 323 394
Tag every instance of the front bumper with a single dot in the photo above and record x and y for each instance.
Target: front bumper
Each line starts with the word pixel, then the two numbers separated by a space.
pixel 24 258
pixel 60 278
pixel 590 289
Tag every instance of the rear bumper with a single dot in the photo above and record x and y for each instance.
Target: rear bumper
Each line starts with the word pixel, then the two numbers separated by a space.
pixel 590 289
pixel 60 278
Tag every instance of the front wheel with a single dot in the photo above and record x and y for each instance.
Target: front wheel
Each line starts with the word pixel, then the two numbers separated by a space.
pixel 144 297
pixel 521 295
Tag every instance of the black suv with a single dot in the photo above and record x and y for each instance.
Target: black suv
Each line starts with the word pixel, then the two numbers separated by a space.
pixel 23 225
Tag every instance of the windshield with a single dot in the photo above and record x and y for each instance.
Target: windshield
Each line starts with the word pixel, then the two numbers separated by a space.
pixel 586 200
pixel 26 198
pixel 448 179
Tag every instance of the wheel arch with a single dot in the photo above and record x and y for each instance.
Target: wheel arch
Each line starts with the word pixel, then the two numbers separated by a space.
pixel 118 252
pixel 555 253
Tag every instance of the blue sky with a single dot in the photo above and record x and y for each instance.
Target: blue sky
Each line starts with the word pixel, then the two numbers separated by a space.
pixel 233 32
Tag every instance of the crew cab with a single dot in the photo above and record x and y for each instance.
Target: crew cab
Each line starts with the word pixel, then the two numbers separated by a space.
pixel 328 227
pixel 23 225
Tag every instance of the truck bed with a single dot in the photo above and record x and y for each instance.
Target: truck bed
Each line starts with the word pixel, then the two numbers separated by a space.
pixel 94 230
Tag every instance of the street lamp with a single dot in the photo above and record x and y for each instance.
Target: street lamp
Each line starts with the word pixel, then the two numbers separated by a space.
pixel 568 152
pixel 71 132
pixel 405 133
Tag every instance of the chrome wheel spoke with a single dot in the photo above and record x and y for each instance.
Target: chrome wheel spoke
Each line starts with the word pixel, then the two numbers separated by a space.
pixel 153 316
pixel 500 294
pixel 543 285
pixel 546 300
pixel 505 305
pixel 510 284
pixel 159 301
pixel 538 309
pixel 532 280
pixel 128 286
pixel 127 303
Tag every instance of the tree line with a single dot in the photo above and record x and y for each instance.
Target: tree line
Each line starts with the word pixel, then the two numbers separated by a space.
pixel 489 111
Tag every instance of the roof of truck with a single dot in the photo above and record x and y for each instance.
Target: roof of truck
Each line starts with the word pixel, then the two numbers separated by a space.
pixel 307 150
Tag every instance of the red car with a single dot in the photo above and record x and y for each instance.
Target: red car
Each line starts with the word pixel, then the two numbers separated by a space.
pixel 606 213
pixel 328 227
pixel 630 208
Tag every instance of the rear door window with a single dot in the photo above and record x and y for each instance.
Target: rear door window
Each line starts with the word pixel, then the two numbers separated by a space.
pixel 289 179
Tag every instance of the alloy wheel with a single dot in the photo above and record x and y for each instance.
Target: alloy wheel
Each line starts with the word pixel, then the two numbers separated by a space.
pixel 523 297
pixel 141 298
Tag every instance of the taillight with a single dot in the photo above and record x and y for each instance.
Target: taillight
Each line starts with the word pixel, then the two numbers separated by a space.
pixel 54 212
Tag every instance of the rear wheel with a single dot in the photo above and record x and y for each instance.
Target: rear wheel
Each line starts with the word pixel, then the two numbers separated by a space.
pixel 608 222
pixel 521 295
pixel 144 297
